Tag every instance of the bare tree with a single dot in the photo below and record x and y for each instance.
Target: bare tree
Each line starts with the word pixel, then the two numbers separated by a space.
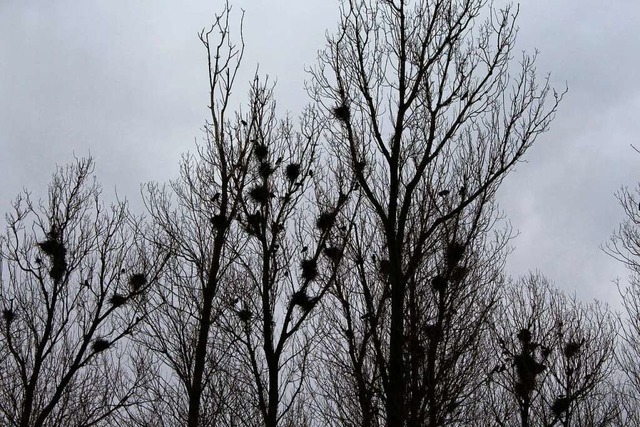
pixel 194 221
pixel 229 322
pixel 427 119
pixel 624 246
pixel 554 359
pixel 75 287
pixel 286 259
pixel 449 308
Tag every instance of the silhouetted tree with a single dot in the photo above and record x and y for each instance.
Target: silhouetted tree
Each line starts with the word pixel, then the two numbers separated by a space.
pixel 284 274
pixel 229 320
pixel 197 222
pixel 69 306
pixel 554 359
pixel 624 246
pixel 449 307
pixel 426 119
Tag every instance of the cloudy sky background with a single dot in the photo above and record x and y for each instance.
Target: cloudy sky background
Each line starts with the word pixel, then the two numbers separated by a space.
pixel 126 82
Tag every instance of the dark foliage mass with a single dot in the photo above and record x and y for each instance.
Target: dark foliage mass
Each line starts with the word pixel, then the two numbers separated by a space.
pixel 342 269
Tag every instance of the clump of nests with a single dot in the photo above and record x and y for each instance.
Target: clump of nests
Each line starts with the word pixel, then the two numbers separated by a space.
pixel 53 247
pixel 527 367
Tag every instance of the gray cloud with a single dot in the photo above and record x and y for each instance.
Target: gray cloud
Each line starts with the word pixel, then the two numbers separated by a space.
pixel 126 81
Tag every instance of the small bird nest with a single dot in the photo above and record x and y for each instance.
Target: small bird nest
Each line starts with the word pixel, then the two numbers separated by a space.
pixel 50 247
pixel 523 389
pixel 8 315
pixel 254 222
pixel 572 348
pixel 384 267
pixel 260 194
pixel 53 246
pixel 100 344
pixel 432 331
pixel 560 406
pixel 309 269
pixel 260 151
pixel 454 253
pixel 218 221
pixel 244 315
pixel 458 273
pixel 292 171
pixel 118 300
pixel 137 281
pixel 58 269
pixel 55 250
pixel 439 283
pixel 359 166
pixel 332 252
pixel 342 113
pixel 265 169
pixel 325 220
pixel 528 369
pixel 302 300
pixel 525 335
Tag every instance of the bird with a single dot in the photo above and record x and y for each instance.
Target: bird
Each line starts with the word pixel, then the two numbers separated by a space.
pixel 244 123
pixel 304 249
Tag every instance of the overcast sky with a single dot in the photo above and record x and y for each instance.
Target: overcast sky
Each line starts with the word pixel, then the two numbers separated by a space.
pixel 126 82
